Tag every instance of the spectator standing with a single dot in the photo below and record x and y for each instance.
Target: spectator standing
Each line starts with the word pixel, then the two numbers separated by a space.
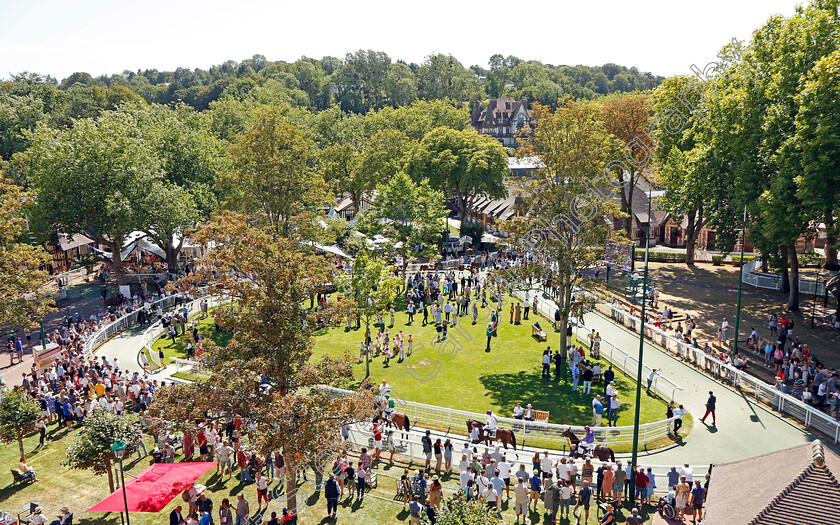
pixel 242 510
pixel 710 408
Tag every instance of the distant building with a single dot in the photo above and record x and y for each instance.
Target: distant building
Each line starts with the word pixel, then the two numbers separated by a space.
pixel 522 167
pixel 502 118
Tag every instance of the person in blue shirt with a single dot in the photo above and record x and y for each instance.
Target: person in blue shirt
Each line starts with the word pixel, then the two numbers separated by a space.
pixel 536 487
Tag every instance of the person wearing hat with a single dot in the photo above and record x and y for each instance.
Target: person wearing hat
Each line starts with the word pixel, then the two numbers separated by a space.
pixel 65 518
pixel 529 413
pixel 492 424
pixel 388 413
pixel 37 517
pixel 331 492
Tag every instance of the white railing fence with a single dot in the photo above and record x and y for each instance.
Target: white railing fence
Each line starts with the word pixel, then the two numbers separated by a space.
pixel 548 434
pixel 412 447
pixel 728 374
pixel 97 339
pixel 769 281
pixel 622 360
pixel 155 331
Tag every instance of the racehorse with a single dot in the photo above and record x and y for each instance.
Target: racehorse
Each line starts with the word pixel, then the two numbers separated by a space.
pixel 502 434
pixel 600 451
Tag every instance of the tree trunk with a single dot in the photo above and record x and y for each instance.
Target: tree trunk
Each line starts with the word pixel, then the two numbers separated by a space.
pixel 20 441
pixel 793 298
pixel 291 489
pixel 831 263
pixel 172 256
pixel 110 473
pixel 785 276
pixel 627 204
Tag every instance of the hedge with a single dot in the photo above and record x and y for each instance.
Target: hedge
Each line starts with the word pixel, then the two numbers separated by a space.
pixel 660 256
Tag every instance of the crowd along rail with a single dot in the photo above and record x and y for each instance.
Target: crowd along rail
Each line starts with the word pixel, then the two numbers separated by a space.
pixel 548 435
pixel 728 374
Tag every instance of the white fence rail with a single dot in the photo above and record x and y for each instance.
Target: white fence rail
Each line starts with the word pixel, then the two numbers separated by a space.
pixel 548 434
pixel 784 403
pixel 412 447
pixel 770 281
pixel 622 360
pixel 97 339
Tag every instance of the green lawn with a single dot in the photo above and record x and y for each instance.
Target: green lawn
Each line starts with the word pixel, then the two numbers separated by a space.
pixel 470 378
pixel 205 327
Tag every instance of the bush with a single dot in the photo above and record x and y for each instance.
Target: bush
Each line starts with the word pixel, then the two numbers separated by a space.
pixel 717 260
pixel 660 256
pixel 736 259
pixel 810 260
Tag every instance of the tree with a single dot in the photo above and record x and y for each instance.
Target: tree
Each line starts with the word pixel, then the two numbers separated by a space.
pixel 749 124
pixel 564 211
pixel 460 511
pixel 680 161
pixel 463 164
pixel 18 413
pixel 626 118
pixel 416 212
pixel 91 178
pixel 817 147
pixel 90 448
pixel 372 288
pixel 274 172
pixel 23 296
pixel 271 340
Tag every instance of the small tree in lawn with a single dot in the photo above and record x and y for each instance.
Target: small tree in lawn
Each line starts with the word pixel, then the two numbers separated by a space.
pixel 459 511
pixel 372 286
pixel 18 413
pixel 91 446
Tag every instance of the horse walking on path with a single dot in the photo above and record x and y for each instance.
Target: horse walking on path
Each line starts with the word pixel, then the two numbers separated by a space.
pixel 504 435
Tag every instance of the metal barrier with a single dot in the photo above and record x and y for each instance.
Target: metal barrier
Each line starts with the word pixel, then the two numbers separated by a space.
pixel 103 334
pixel 769 281
pixel 153 332
pixel 412 447
pixel 622 360
pixel 785 403
pixel 549 434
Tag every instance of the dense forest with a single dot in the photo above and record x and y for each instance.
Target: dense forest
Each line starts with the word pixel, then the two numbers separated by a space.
pixel 363 81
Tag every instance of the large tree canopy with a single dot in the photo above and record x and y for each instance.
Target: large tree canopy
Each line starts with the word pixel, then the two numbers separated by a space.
pixel 462 164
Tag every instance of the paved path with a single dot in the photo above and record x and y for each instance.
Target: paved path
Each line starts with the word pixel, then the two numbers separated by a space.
pixel 125 347
pixel 744 427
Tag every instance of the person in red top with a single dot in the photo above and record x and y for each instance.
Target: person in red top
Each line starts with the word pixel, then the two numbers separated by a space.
pixel 642 481
pixel 377 439
pixel 201 439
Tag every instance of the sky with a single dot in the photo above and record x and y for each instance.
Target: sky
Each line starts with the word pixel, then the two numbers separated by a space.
pixel 665 37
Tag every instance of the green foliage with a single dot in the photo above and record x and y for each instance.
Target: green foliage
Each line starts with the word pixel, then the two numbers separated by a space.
pixel 474 229
pixel 18 413
pixel 660 256
pixel 717 260
pixel 415 211
pixel 463 163
pixel 91 445
pixel 459 511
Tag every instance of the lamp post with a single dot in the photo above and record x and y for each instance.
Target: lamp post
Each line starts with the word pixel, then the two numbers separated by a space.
pixel 118 448
pixel 740 283
pixel 640 369
pixel 814 305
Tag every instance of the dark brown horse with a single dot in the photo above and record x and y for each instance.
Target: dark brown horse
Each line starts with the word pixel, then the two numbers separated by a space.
pixel 600 451
pixel 502 434
pixel 399 420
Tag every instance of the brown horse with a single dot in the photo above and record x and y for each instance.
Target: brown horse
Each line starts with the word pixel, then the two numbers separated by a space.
pixel 502 434
pixel 600 451
pixel 399 420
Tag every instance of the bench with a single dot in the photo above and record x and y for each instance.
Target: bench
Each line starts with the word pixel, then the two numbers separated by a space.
pixel 541 416
pixel 539 334
pixel 19 478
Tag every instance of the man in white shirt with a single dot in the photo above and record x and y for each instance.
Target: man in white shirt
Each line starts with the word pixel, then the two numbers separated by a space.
pixel 466 476
pixel 724 326
pixel 562 470
pixel 518 411
pixel 504 469
pixel 467 451
pixel 545 466
pixel 653 373
pixel 688 472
